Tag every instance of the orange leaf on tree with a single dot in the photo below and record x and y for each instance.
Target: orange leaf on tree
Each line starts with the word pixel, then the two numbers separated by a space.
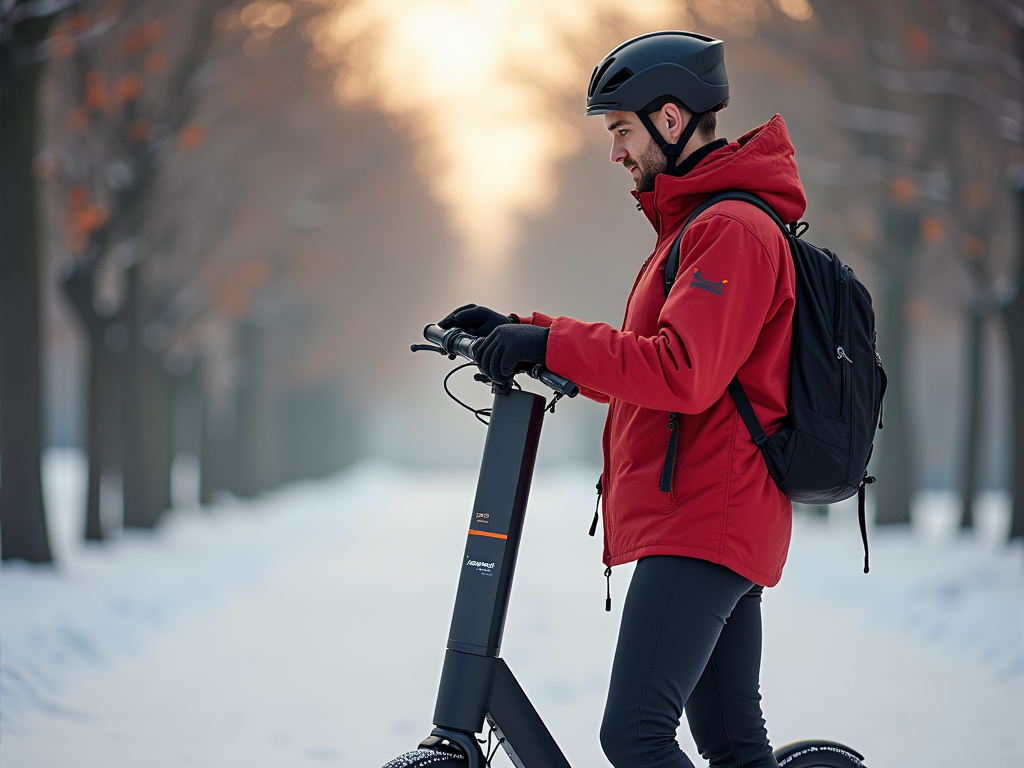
pixel 96 97
pixel 974 247
pixel 77 118
pixel 154 31
pixel 128 87
pixel 192 136
pixel 78 196
pixel 233 301
pixel 79 22
pixel 138 132
pixel 155 63
pixel 65 48
pixel 89 219
pixel 902 190
pixel 932 229
pixel 254 273
pixel 134 43
pixel 918 42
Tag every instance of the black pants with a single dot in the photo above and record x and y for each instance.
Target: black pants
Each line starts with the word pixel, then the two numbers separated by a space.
pixel 690 638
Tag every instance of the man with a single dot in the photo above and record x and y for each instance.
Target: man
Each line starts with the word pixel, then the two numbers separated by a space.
pixel 686 492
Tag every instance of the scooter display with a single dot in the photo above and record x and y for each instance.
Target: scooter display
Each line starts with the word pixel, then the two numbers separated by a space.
pixel 477 687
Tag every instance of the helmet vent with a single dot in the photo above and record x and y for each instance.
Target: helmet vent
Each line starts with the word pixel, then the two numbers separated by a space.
pixel 598 74
pixel 616 80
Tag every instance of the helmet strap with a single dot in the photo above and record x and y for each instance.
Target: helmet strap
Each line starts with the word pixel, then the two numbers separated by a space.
pixel 672 152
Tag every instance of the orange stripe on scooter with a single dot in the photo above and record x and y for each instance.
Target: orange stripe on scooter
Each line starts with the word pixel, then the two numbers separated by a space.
pixel 487 533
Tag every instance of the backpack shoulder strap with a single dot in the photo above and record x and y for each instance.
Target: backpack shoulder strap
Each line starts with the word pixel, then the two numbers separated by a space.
pixel 735 389
pixel 672 263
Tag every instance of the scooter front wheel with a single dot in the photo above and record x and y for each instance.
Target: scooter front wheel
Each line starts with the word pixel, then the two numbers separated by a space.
pixel 429 758
pixel 818 754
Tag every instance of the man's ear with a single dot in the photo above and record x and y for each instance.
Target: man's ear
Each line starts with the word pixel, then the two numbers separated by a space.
pixel 676 119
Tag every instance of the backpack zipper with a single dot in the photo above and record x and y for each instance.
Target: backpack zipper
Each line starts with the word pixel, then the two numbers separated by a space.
pixel 841 355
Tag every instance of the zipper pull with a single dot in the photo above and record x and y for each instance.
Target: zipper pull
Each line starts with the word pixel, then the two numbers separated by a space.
pixel 608 598
pixel 878 360
pixel 841 355
pixel 597 506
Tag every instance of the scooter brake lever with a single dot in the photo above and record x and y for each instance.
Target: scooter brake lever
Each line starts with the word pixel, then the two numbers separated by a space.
pixel 427 348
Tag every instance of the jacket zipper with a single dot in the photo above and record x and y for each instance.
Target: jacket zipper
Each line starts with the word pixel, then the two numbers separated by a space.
pixel 670 453
pixel 605 450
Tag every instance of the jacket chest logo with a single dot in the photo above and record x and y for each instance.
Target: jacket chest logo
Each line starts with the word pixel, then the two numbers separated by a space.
pixel 706 285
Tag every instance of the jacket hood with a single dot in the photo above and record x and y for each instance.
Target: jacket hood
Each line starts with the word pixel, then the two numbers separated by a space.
pixel 762 162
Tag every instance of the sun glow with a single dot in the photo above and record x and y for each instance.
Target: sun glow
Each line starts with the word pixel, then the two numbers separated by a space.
pixel 491 90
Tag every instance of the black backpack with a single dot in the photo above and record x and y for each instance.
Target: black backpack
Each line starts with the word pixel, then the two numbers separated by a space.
pixel 836 380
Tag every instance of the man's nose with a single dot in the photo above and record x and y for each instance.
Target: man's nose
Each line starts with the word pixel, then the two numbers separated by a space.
pixel 618 153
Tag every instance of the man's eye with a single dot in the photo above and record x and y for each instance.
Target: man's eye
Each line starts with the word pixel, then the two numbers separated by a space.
pixel 622 131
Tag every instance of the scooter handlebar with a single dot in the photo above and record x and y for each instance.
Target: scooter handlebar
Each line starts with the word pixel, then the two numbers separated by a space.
pixel 455 341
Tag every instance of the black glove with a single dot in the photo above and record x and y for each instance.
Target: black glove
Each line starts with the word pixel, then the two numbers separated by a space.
pixel 511 348
pixel 478 321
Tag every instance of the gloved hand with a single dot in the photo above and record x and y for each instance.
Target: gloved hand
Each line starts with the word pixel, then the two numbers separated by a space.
pixel 511 348
pixel 478 321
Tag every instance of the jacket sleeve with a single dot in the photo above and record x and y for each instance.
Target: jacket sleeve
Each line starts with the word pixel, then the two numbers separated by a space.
pixel 545 322
pixel 724 291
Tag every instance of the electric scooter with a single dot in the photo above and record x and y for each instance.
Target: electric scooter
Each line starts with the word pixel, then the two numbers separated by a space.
pixel 477 685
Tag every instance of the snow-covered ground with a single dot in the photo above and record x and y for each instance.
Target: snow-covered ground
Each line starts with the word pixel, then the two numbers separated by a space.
pixel 307 627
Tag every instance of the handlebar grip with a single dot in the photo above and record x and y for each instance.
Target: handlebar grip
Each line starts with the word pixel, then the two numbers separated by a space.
pixel 455 341
pixel 434 334
pixel 553 380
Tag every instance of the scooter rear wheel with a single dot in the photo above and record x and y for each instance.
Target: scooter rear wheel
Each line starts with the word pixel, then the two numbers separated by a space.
pixel 429 758
pixel 818 754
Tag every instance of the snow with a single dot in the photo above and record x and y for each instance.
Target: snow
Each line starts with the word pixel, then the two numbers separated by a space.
pixel 307 627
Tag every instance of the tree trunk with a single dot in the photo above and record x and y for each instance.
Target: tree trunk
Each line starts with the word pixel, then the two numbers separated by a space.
pixel 147 413
pixel 253 467
pixel 22 514
pixel 1013 319
pixel 102 428
pixel 216 443
pixel 897 468
pixel 94 439
pixel 974 361
pixel 157 423
pixel 138 512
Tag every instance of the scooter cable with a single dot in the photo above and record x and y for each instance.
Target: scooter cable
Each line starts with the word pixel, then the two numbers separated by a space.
pixel 488 750
pixel 480 413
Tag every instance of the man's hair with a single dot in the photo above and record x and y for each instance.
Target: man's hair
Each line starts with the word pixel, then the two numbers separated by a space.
pixel 707 125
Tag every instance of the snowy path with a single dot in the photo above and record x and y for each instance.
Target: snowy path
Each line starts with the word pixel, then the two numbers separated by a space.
pixel 307 628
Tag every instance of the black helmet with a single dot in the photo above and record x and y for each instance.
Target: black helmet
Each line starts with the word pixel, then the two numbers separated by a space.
pixel 644 73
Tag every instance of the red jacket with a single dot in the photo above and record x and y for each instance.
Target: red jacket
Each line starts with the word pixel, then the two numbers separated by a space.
pixel 730 310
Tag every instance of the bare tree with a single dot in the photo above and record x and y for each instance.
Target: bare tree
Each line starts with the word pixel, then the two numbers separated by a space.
pixel 23 30
pixel 929 101
pixel 125 98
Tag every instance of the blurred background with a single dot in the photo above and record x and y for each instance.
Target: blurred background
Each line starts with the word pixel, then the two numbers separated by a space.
pixel 223 223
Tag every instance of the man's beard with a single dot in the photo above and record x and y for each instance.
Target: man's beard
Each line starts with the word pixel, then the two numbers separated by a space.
pixel 651 162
